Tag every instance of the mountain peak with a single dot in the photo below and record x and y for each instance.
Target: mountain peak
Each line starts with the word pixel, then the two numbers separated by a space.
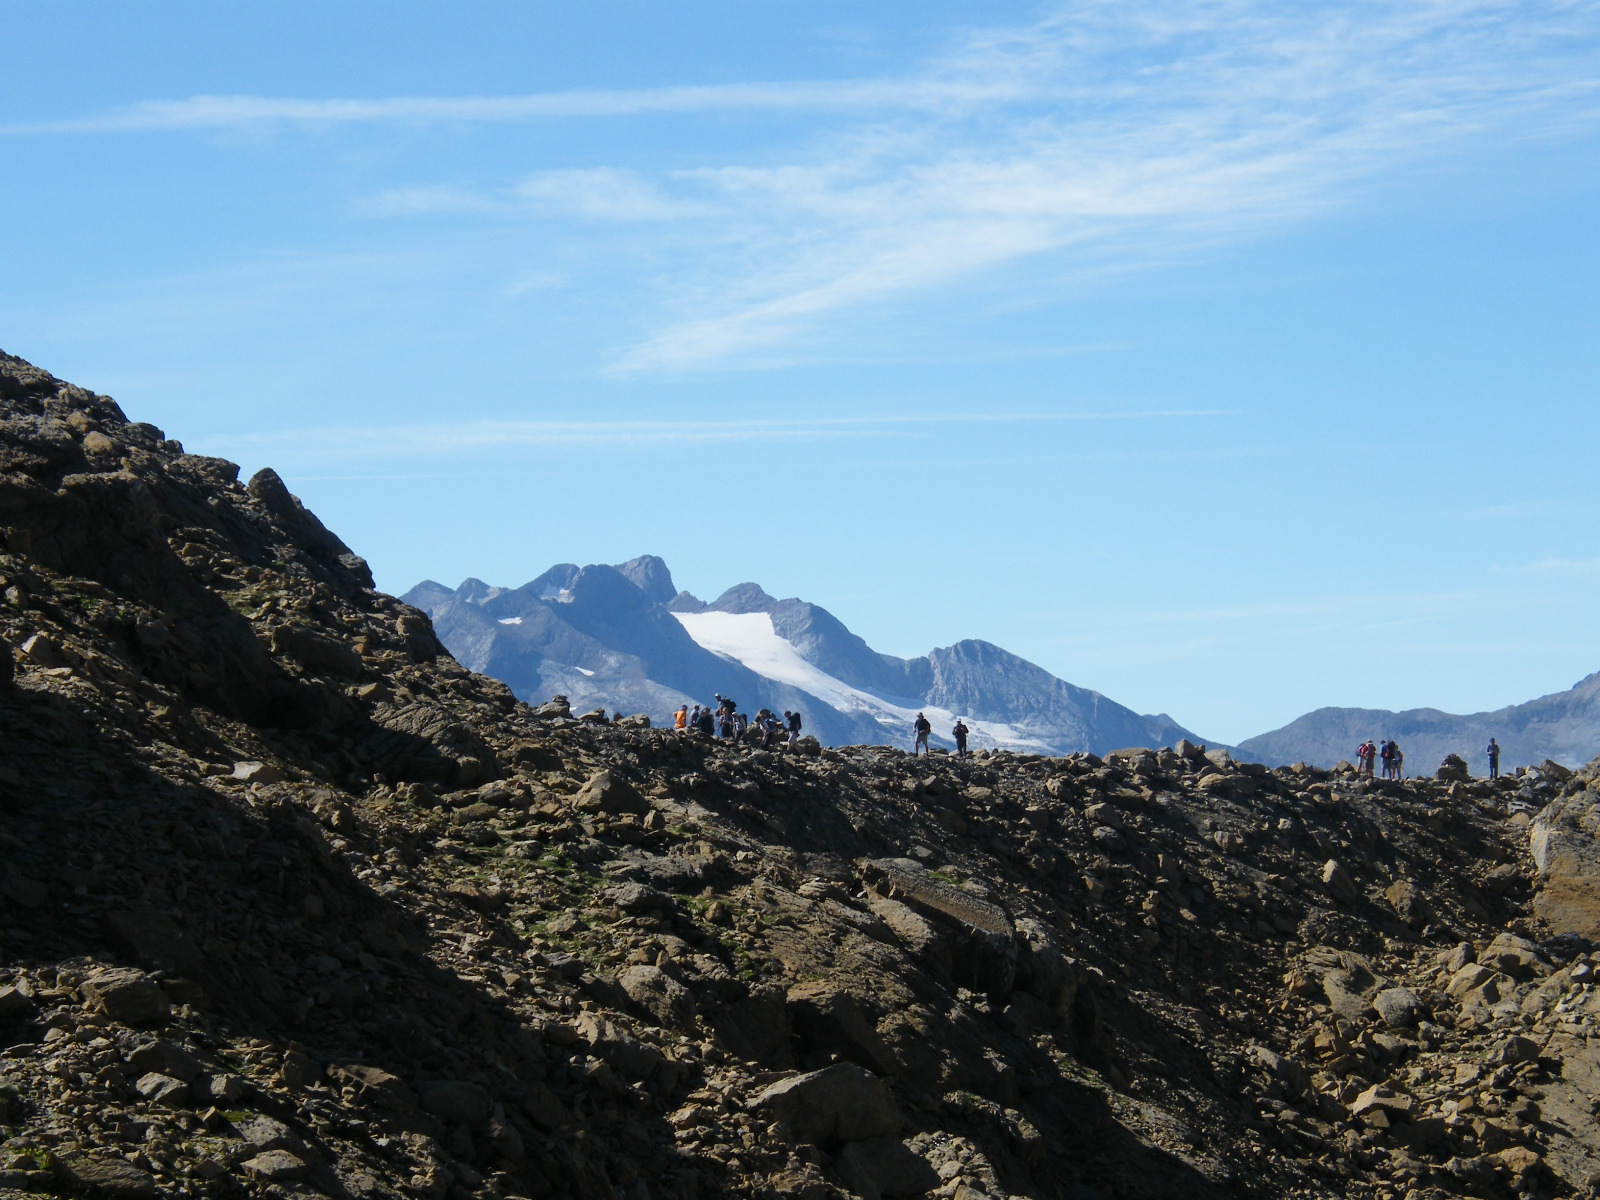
pixel 744 598
pixel 650 575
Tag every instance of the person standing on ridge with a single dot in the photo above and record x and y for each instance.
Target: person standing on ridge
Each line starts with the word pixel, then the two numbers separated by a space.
pixel 792 720
pixel 959 733
pixel 1494 759
pixel 1396 760
pixel 922 728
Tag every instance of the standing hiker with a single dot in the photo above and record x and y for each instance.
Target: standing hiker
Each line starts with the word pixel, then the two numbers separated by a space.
pixel 959 733
pixel 1494 759
pixel 922 728
pixel 792 720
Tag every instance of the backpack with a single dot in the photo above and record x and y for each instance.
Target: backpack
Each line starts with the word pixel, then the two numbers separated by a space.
pixel 794 721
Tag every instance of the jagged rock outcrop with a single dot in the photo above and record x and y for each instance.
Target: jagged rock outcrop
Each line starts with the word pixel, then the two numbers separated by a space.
pixel 292 904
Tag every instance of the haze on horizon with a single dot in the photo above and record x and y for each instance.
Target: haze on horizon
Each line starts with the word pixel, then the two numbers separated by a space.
pixel 1227 360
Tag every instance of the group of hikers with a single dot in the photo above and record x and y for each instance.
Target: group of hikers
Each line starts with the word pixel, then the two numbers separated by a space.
pixel 725 721
pixel 922 727
pixel 1388 752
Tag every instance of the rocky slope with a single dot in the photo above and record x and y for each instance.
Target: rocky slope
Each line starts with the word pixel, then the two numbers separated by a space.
pixel 1563 727
pixel 625 639
pixel 297 906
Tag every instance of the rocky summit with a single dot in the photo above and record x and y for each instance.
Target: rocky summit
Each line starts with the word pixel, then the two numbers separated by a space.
pixel 296 906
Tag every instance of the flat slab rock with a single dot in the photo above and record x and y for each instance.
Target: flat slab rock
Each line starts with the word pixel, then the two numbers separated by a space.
pixel 274 1165
pixel 106 1176
pixel 826 1107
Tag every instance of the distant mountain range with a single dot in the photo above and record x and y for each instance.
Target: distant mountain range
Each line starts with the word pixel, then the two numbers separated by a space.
pixel 1564 726
pixel 623 637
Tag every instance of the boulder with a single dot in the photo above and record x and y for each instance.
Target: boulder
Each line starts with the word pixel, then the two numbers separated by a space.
pixel 1336 881
pixel 125 994
pixel 163 1090
pixel 1399 1007
pixel 910 926
pixel 1348 990
pixel 1567 855
pixel 628 1056
pixel 1516 956
pixel 260 1133
pixel 1468 977
pixel 1509 1051
pixel 105 1175
pixel 1381 1105
pixel 252 771
pixel 636 898
pixel 1554 771
pixel 1408 902
pixel 41 652
pixel 275 1166
pixel 373 1083
pixel 165 1058
pixel 662 996
pixel 609 793
pixel 839 1102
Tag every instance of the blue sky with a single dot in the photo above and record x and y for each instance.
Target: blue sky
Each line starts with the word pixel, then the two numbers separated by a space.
pixel 1232 359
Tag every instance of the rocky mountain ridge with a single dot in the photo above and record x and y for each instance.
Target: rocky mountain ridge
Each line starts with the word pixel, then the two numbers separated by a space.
pixel 1563 727
pixel 624 638
pixel 296 905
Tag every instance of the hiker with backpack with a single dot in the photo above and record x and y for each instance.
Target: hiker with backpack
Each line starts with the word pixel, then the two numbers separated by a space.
pixel 1365 753
pixel 792 722
pixel 680 719
pixel 959 733
pixel 922 728
pixel 1396 761
pixel 1494 759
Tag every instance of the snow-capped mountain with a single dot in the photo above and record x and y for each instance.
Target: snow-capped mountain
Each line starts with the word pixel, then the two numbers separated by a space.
pixel 624 638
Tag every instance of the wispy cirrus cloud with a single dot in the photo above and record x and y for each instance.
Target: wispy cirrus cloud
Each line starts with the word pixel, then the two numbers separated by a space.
pixel 1167 127
pixel 435 440
pixel 597 193
pixel 234 112
pixel 1110 136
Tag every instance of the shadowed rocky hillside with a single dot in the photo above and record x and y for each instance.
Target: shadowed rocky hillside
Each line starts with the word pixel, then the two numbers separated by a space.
pixel 296 906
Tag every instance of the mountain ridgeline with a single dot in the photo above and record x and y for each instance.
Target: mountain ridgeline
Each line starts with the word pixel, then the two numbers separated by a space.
pixel 624 638
pixel 1563 727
